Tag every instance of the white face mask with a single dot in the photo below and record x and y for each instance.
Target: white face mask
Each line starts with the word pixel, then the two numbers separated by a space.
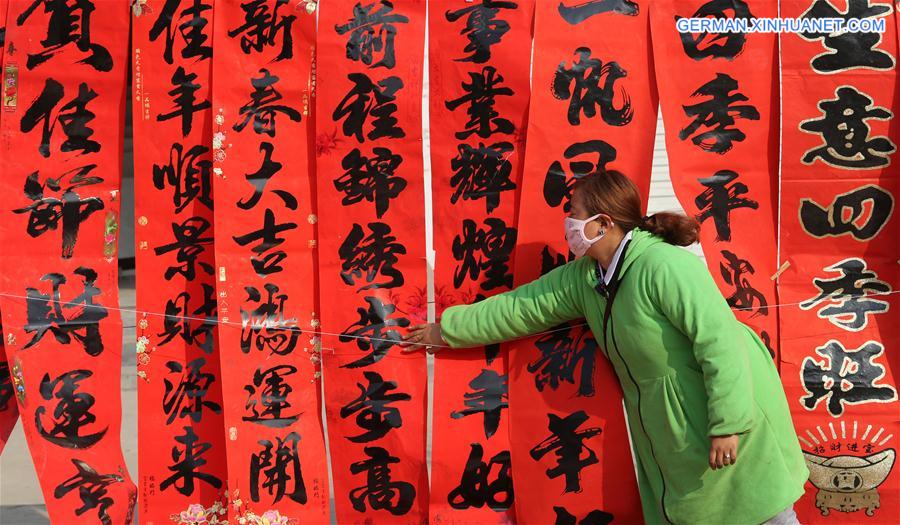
pixel 578 241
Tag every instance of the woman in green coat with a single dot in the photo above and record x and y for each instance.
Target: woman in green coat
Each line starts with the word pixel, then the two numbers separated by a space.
pixel 707 414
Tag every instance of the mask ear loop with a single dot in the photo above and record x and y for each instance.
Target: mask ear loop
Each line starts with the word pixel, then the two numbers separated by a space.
pixel 598 237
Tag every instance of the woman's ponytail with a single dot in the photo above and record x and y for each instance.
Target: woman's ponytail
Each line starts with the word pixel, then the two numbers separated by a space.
pixel 674 228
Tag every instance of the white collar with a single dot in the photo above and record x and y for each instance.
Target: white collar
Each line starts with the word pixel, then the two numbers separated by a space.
pixel 608 275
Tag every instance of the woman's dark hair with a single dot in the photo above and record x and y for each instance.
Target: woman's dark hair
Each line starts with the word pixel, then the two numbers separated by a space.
pixel 612 193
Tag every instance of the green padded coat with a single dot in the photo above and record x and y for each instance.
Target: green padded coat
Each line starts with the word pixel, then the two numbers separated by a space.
pixel 688 369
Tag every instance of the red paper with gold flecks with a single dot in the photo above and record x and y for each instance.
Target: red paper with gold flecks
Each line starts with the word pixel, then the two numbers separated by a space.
pixel 181 444
pixel 265 217
pixel 479 55
pixel 372 255
pixel 839 228
pixel 61 144
pixel 572 131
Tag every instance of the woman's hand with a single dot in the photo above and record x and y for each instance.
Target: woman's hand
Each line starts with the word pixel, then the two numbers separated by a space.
pixel 723 451
pixel 423 335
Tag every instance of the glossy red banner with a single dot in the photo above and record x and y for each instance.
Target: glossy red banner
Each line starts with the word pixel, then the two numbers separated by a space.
pixel 181 445
pixel 719 99
pixel 839 230
pixel 9 414
pixel 372 255
pixel 479 59
pixel 61 143
pixel 263 155
pixel 593 106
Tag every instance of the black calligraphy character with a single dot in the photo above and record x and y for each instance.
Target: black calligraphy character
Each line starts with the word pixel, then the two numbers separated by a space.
pixel 374 331
pixel 180 320
pixel 480 96
pixel 188 173
pixel 475 489
pixel 184 96
pixel 846 49
pixel 717 115
pixel 551 261
pixel 261 177
pixel 266 327
pixel 372 31
pixel 69 23
pixel 850 303
pixel 267 397
pixel 578 13
pixel 372 179
pixel 373 256
pixel 483 29
pixel 92 490
pixel 7 390
pixel 719 199
pixel 580 85
pixel 189 244
pixel 567 443
pixel 45 312
pixel 558 184
pixel 734 271
pixel 561 352
pixel 366 99
pixel 73 117
pixel 862 213
pixel 727 45
pixel 2 37
pixel 47 211
pixel 280 469
pixel 380 492
pixel 186 398
pixel 72 411
pixel 482 172
pixel 486 250
pixel 187 464
pixel 845 377
pixel 262 108
pixel 266 262
pixel 261 29
pixel 845 132
pixel 489 397
pixel 191 24
pixel 594 517
pixel 375 414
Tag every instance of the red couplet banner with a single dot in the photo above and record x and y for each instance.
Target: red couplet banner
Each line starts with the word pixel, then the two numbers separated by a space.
pixel 9 414
pixel 719 99
pixel 372 255
pixel 61 145
pixel 479 61
pixel 265 255
pixel 839 230
pixel 593 106
pixel 181 446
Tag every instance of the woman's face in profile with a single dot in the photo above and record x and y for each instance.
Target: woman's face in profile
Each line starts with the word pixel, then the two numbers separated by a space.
pixel 577 210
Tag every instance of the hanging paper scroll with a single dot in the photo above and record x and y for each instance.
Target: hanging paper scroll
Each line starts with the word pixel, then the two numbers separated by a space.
pixel 593 106
pixel 9 414
pixel 372 255
pixel 479 57
pixel 61 145
pixel 839 230
pixel 181 445
pixel 718 94
pixel 265 256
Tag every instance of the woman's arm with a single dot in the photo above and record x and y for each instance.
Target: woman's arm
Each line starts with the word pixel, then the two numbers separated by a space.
pixel 690 299
pixel 528 309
